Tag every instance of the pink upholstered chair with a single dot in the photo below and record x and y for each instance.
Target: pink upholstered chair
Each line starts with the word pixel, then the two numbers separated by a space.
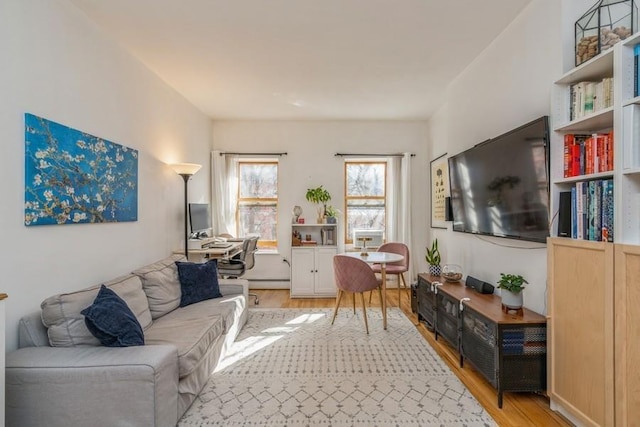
pixel 355 276
pixel 397 268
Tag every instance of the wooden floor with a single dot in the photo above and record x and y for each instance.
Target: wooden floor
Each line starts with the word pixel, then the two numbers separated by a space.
pixel 518 409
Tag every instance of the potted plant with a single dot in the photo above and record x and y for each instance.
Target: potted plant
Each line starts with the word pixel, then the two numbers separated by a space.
pixel 332 213
pixel 433 259
pixel 319 196
pixel 512 286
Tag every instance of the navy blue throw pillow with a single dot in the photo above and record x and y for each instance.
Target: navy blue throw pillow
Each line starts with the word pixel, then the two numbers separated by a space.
pixel 111 320
pixel 198 281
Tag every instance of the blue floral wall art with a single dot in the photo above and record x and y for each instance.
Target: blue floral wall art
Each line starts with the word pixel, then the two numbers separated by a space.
pixel 72 177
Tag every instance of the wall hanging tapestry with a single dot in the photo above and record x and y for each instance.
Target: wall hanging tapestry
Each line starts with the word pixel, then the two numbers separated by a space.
pixel 72 177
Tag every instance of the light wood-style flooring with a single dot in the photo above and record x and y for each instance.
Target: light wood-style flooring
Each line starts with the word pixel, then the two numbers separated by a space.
pixel 518 409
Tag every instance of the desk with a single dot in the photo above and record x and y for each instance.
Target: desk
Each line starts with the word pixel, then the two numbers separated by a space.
pixel 217 253
pixel 381 258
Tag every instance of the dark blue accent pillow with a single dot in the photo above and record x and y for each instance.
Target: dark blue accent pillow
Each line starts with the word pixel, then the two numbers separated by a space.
pixel 198 281
pixel 111 320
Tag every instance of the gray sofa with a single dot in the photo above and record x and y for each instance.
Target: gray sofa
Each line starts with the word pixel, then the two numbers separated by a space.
pixel 62 376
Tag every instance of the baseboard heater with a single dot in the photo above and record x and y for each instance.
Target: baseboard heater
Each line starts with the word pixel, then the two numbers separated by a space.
pixel 269 283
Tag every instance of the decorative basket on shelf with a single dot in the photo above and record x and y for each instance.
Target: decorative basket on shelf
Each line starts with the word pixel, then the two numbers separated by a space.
pixel 603 25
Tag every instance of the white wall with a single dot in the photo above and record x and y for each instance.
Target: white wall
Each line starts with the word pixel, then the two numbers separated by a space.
pixel 311 161
pixel 508 85
pixel 58 65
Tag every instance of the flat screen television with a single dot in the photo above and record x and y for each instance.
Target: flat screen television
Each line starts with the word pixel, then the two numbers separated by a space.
pixel 199 218
pixel 500 187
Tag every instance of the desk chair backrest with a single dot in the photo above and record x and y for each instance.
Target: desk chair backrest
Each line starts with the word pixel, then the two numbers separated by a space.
pixel 249 248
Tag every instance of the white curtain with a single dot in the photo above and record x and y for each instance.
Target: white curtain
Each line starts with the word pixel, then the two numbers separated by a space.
pixel 399 224
pixel 225 191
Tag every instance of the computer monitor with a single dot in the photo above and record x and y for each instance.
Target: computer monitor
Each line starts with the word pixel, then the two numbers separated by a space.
pixel 199 218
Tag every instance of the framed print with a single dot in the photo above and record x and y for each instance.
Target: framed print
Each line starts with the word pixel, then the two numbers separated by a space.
pixel 439 191
pixel 72 177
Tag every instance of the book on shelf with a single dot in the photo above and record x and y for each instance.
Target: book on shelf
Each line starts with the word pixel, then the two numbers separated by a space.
pixel 592 210
pixel 636 60
pixel 587 154
pixel 588 97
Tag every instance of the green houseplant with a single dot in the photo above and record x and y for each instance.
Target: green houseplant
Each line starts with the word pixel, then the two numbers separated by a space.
pixel 512 286
pixel 319 196
pixel 433 259
pixel 331 213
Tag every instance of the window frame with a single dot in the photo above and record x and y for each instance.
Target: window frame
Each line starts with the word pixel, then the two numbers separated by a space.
pixel 348 239
pixel 239 200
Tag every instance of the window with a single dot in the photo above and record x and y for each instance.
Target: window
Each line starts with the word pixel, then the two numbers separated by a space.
pixel 257 210
pixel 365 196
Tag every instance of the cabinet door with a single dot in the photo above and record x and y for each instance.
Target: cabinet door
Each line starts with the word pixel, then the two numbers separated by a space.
pixel 580 357
pixel 627 303
pixel 325 281
pixel 302 271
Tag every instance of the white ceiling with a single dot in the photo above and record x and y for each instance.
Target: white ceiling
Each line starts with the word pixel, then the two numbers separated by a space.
pixel 306 59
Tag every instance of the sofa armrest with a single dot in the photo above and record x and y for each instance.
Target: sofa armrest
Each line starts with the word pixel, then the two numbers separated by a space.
pixel 92 386
pixel 234 287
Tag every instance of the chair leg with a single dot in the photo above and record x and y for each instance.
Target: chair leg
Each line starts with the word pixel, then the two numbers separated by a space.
pixel 401 277
pixel 364 312
pixel 335 311
pixel 354 303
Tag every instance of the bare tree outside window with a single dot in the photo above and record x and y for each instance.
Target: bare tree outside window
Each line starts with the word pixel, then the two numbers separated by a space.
pixel 365 196
pixel 257 210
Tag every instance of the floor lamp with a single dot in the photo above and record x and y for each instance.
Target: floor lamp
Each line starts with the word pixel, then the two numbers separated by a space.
pixel 186 171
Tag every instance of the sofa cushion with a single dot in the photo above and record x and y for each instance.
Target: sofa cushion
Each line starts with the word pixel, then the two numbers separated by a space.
pixel 61 314
pixel 192 332
pixel 110 320
pixel 161 284
pixel 198 281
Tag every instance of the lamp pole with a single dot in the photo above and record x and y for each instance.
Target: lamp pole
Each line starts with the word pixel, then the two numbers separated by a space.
pixel 186 178
pixel 186 171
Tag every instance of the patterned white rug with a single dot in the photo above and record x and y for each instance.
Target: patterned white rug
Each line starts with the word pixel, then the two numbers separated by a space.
pixel 290 367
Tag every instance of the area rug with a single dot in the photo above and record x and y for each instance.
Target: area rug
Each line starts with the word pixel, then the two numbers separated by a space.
pixel 290 367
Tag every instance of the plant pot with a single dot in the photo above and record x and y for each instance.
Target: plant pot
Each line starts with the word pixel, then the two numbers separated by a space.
pixel 511 300
pixel 331 220
pixel 434 270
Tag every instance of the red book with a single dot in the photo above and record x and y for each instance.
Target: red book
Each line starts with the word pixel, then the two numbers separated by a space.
pixel 610 153
pixel 588 155
pixel 575 162
pixel 568 155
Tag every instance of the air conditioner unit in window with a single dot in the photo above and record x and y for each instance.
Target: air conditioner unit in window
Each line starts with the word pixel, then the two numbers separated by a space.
pixel 377 238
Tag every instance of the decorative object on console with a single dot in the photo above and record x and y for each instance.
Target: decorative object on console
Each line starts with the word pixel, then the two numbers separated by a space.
pixel 603 25
pixel 433 259
pixel 479 285
pixel 297 211
pixel 186 171
pixel 452 272
pixel 512 286
pixel 72 177
pixel 319 196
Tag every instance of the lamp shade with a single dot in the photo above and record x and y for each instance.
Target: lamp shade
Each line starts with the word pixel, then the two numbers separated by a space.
pixel 186 168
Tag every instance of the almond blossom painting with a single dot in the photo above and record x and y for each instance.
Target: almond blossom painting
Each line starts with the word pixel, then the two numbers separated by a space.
pixel 72 177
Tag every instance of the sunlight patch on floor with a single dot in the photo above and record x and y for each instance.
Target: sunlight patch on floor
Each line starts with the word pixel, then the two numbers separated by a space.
pixel 251 345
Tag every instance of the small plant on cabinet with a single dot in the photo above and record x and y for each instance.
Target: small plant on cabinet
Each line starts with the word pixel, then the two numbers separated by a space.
pixel 433 259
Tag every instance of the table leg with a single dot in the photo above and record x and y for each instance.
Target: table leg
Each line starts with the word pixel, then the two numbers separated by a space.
pixel 383 276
